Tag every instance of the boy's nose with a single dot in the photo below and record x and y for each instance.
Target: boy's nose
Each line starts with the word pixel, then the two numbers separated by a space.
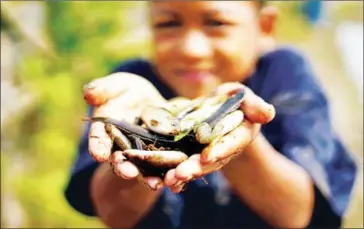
pixel 195 45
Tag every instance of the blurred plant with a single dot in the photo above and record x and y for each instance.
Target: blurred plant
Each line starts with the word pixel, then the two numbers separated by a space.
pixel 88 39
pixel 48 131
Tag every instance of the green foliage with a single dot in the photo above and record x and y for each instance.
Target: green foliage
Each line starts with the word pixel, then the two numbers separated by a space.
pixel 47 132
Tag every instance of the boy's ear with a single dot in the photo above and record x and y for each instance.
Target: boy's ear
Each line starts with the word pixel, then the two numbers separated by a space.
pixel 268 20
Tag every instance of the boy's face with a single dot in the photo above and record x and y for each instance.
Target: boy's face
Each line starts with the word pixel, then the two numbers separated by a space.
pixel 199 45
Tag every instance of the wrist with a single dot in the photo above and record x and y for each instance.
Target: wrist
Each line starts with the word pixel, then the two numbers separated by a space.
pixel 257 146
pixel 120 203
pixel 253 155
pixel 105 181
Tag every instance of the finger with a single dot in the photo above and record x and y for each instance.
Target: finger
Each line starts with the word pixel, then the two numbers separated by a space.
pixel 189 169
pixel 100 143
pixel 128 171
pixel 255 108
pixel 193 168
pixel 170 178
pixel 230 144
pixel 154 183
pixel 117 157
pixel 122 168
pixel 103 89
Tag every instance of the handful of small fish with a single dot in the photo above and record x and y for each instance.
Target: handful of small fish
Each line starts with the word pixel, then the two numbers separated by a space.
pixel 164 136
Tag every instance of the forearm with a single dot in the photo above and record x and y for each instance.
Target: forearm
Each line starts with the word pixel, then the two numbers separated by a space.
pixel 279 191
pixel 120 203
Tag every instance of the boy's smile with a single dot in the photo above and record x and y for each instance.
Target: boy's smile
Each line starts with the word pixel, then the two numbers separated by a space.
pixel 194 75
pixel 198 45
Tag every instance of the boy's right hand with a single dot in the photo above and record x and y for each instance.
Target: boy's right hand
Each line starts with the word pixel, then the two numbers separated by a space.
pixel 119 96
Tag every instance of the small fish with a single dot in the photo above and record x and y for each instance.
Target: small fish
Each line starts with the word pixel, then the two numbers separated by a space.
pixel 158 159
pixel 160 121
pixel 119 138
pixel 205 133
pixel 197 116
pixel 177 105
pixel 227 107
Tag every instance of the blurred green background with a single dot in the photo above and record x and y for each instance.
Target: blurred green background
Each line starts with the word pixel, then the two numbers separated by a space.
pixel 50 49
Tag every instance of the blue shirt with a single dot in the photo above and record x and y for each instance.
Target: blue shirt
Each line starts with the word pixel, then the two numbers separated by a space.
pixel 302 131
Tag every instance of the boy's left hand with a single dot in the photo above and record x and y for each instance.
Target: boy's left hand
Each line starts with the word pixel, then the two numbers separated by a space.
pixel 256 112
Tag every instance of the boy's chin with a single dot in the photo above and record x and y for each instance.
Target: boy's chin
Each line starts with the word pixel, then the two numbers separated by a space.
pixel 198 81
pixel 196 90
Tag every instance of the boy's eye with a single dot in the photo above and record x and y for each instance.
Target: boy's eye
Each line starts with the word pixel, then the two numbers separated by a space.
pixel 217 23
pixel 167 24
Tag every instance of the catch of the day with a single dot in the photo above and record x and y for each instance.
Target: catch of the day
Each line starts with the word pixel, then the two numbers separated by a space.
pixel 164 136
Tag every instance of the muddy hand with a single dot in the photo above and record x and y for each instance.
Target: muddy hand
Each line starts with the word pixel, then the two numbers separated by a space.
pixel 117 96
pixel 218 153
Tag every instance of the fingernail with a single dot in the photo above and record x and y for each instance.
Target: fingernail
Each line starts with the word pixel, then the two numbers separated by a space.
pixel 272 109
pixel 88 86
pixel 269 107
pixel 155 185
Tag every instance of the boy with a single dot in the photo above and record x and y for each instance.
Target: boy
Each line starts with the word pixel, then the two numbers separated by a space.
pixel 293 172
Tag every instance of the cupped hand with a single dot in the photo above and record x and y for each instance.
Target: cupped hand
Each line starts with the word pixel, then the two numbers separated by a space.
pixel 219 153
pixel 124 95
pixel 120 96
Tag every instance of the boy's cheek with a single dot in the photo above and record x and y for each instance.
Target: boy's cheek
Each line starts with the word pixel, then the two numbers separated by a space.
pixel 164 51
pixel 231 71
pixel 234 63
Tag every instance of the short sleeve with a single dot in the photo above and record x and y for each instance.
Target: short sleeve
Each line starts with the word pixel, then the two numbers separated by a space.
pixel 302 130
pixel 77 191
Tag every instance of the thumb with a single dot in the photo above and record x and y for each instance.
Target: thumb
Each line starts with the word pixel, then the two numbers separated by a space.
pixel 99 91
